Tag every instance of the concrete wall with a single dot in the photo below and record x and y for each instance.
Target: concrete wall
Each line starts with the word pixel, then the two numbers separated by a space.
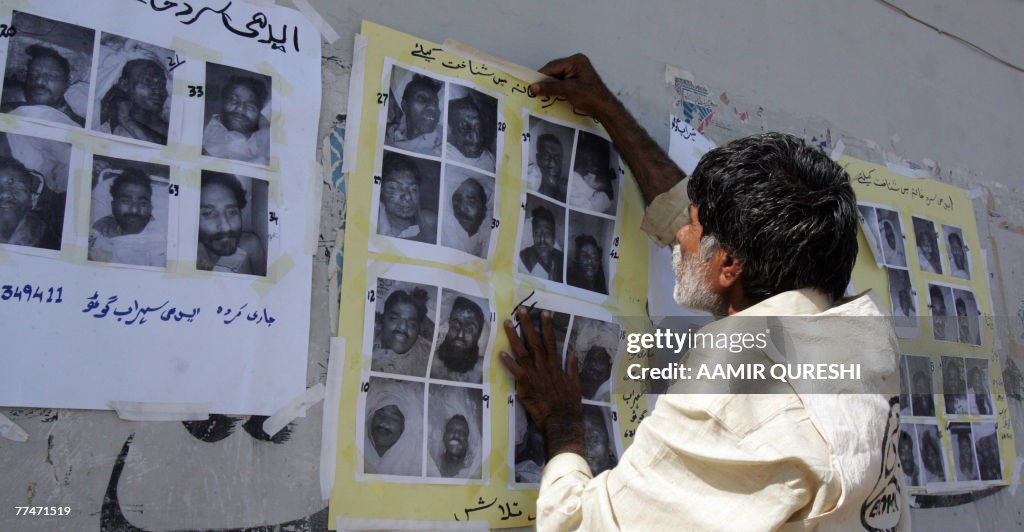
pixel 888 86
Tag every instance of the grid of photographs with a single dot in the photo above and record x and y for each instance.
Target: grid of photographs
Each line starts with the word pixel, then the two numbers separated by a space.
pixel 436 190
pixel 572 180
pixel 596 340
pixel 963 384
pixel 122 89
pixel 886 234
pixel 963 324
pixel 424 401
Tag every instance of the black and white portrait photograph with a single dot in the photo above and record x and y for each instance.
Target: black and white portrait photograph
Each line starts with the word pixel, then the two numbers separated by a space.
pixel 129 212
pixel 409 197
pixel 927 240
pixel 903 298
pixel 529 457
pixel 463 333
pixel 590 240
pixel 33 190
pixel 237 111
pixel 472 128
pixel 940 303
pixel 594 183
pixel 469 209
pixel 904 387
pixel 543 240
pixel 908 456
pixel 965 463
pixel 233 218
pixel 954 385
pixel 393 428
pixel 979 394
pixel 548 156
pixel 596 343
pixel 930 451
pixel 599 436
pixel 986 446
pixel 48 70
pixel 869 226
pixel 403 327
pixel 922 389
pixel 454 434
pixel 133 89
pixel 891 233
pixel 414 107
pixel 957 252
pixel 967 317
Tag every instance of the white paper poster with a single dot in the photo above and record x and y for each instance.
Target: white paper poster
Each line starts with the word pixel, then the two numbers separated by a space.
pixel 156 208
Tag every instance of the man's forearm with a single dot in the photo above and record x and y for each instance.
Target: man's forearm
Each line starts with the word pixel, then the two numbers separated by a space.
pixel 564 434
pixel 654 171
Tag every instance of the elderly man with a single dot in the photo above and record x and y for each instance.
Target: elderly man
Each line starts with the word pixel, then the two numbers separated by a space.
pixel 47 77
pixel 466 230
pixel 134 106
pixel 766 226
pixel 239 132
pixel 422 111
pixel 19 224
pixel 223 245
pixel 129 235
pixel 401 215
pixel 545 175
pixel 398 346
pixel 466 135
pixel 543 259
pixel 458 355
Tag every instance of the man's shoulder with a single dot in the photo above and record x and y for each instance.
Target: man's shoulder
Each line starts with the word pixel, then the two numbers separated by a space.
pixel 107 226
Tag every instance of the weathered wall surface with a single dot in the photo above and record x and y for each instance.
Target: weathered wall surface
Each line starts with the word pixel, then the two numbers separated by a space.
pixel 891 88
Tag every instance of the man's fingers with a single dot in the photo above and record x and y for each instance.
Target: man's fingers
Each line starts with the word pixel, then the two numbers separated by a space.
pixel 572 367
pixel 517 371
pixel 558 68
pixel 522 355
pixel 533 342
pixel 550 348
pixel 553 88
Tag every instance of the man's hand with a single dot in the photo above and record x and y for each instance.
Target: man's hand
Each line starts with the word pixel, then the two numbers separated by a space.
pixel 577 81
pixel 551 397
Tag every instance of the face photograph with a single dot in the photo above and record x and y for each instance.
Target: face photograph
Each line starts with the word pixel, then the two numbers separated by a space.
pixel 237 113
pixel 904 387
pixel 590 242
pixel 908 456
pixel 409 196
pixel 965 462
pixel 33 190
pixel 455 437
pixel 414 110
pixel 930 451
pixel 233 218
pixel 927 240
pixel 940 303
pixel 529 451
pixel 869 225
pixel 919 371
pixel 986 446
pixel 543 240
pixel 393 428
pixel 463 332
pixel 129 212
pixel 469 209
pixel 967 318
pixel 549 153
pixel 891 233
pixel 954 385
pixel 902 297
pixel 133 89
pixel 48 70
pixel 596 343
pixel 979 395
pixel 956 250
pixel 472 128
pixel 403 327
pixel 594 183
pixel 599 439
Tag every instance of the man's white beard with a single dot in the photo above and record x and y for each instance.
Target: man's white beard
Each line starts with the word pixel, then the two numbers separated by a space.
pixel 692 290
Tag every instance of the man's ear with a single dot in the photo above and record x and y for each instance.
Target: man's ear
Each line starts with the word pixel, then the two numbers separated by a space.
pixel 730 270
